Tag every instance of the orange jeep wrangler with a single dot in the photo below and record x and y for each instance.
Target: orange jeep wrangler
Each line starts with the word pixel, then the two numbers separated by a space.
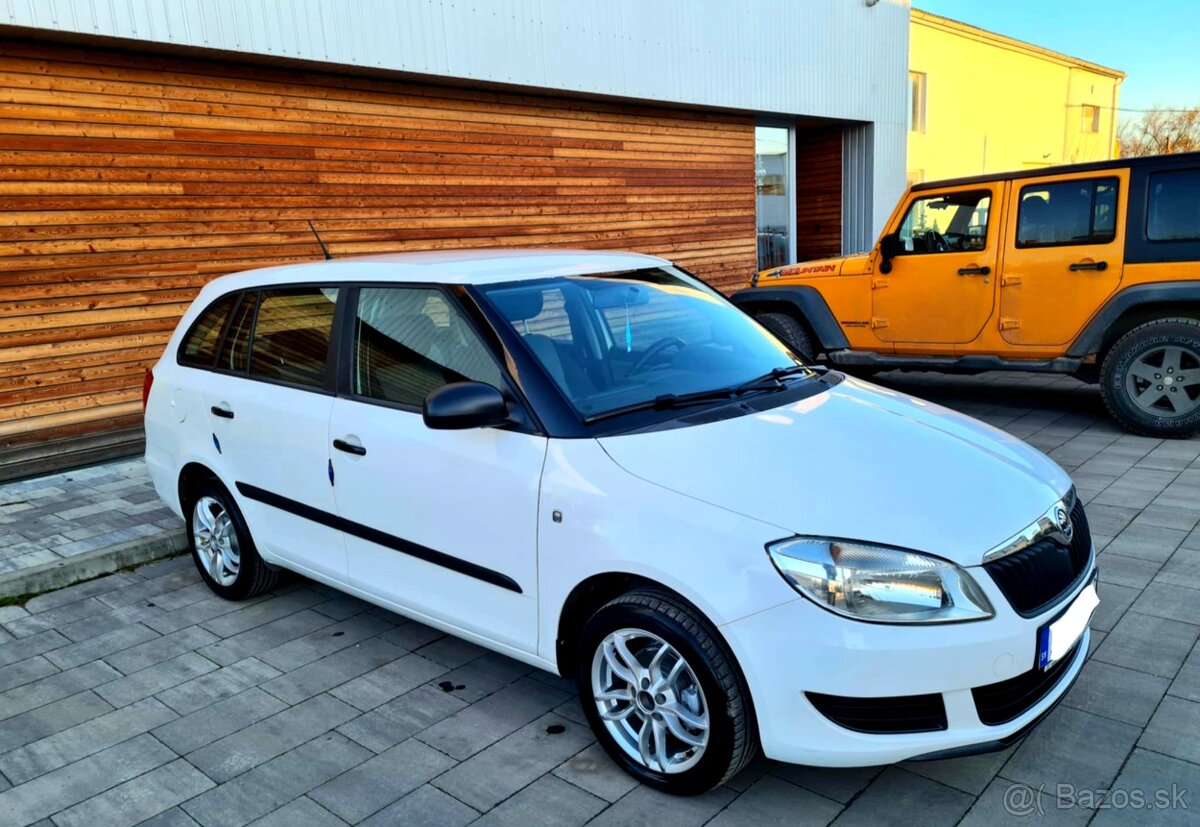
pixel 1091 270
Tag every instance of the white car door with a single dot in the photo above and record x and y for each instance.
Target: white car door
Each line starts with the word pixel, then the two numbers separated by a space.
pixel 268 403
pixel 440 523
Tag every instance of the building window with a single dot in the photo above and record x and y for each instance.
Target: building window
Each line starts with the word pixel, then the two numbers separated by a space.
pixel 773 195
pixel 1089 120
pixel 916 101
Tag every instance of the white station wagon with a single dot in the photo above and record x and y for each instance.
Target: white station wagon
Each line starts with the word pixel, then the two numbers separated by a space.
pixel 593 463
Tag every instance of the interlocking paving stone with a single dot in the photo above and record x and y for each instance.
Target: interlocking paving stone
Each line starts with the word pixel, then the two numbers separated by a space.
pixel 900 798
pixel 547 802
pixel 136 800
pixel 332 671
pixel 218 685
pixel 424 807
pixel 481 724
pixel 264 638
pixel 303 812
pixel 1150 644
pixel 996 809
pixel 406 715
pixel 62 748
pixel 25 671
pixel 592 770
pixel 276 782
pixel 385 682
pixel 1051 753
pixel 99 646
pixel 16 650
pixel 214 722
pixel 249 747
pixel 83 779
pixel 377 782
pixel 970 774
pixel 145 655
pixel 1187 682
pixel 326 640
pixel 1116 692
pixel 155 679
pixel 771 801
pixel 1167 785
pixel 1172 602
pixel 51 718
pixel 1174 730
pixel 44 691
pixel 644 806
pixel 488 777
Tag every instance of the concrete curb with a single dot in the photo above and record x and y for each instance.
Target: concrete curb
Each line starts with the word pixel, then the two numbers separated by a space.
pixel 71 570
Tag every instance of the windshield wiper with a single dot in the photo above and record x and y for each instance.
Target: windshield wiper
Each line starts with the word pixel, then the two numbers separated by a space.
pixel 670 401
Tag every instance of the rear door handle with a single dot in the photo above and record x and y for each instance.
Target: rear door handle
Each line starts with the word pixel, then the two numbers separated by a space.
pixel 1089 265
pixel 223 410
pixel 350 448
pixel 974 271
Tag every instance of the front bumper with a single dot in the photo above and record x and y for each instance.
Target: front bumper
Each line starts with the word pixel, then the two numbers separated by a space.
pixel 798 648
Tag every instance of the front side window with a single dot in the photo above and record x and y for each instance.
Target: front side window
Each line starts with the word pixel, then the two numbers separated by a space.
pixel 200 345
pixel 1067 212
pixel 617 340
pixel 291 335
pixel 1174 208
pixel 948 223
pixel 411 341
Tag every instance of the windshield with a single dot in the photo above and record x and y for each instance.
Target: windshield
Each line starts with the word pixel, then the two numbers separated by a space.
pixel 616 340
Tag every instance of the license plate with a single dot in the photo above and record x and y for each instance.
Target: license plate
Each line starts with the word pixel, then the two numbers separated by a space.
pixel 1057 637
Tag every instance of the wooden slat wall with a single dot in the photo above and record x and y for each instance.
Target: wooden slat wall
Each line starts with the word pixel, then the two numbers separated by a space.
pixel 818 192
pixel 128 181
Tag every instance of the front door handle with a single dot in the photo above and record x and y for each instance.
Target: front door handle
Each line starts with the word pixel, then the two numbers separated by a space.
pixel 223 410
pixel 1089 265
pixel 350 448
pixel 975 271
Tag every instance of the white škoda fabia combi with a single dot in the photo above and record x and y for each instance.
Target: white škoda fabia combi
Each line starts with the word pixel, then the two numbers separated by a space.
pixel 593 463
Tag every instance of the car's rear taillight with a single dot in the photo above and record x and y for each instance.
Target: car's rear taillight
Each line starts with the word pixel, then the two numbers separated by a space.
pixel 146 384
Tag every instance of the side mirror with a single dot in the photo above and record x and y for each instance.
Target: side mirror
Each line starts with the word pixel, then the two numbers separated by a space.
pixel 461 405
pixel 889 248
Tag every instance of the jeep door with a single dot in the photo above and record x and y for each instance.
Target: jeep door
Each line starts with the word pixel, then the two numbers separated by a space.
pixel 1064 254
pixel 940 289
pixel 442 523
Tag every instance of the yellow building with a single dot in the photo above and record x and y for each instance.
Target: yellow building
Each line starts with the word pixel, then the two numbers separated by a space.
pixel 982 102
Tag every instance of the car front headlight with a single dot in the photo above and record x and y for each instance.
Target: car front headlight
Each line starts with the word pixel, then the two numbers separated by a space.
pixel 884 585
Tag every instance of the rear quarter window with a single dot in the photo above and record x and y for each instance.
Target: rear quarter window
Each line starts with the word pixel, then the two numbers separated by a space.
pixel 199 347
pixel 1173 208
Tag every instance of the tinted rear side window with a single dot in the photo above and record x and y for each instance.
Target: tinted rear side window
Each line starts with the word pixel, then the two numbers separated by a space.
pixel 199 347
pixel 1173 212
pixel 291 335
pixel 1068 212
pixel 236 350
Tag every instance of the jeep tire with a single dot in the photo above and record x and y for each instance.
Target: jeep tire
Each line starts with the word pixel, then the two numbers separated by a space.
pixel 1150 379
pixel 790 331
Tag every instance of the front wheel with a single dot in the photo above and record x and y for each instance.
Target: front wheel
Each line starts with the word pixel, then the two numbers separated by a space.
pixel 663 694
pixel 1150 379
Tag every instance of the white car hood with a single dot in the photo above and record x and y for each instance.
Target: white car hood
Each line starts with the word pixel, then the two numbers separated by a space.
pixel 857 462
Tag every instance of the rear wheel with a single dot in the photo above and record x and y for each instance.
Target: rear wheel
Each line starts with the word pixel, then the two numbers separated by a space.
pixel 663 694
pixel 790 331
pixel 222 549
pixel 1150 379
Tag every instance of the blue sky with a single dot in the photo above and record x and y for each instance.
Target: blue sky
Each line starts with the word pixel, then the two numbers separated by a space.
pixel 1153 41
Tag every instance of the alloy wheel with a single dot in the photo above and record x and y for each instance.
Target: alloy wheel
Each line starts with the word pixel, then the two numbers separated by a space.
pixel 650 701
pixel 1165 381
pixel 216 540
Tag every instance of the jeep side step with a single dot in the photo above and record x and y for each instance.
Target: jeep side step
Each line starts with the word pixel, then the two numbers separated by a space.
pixel 950 364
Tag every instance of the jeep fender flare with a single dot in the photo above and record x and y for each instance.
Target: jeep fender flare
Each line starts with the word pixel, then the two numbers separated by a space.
pixel 1096 333
pixel 801 300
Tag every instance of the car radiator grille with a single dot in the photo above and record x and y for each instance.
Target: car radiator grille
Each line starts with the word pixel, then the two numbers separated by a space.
pixel 1038 575
pixel 999 703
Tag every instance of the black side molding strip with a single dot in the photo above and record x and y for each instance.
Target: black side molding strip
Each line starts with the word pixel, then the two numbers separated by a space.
pixel 374 535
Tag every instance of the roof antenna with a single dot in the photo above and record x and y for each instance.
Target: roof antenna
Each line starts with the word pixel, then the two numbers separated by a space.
pixel 324 249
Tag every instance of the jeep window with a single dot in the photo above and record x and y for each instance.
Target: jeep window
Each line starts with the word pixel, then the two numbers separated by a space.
pixel 1067 212
pixel 409 341
pixel 1174 209
pixel 948 223
pixel 291 335
pixel 200 345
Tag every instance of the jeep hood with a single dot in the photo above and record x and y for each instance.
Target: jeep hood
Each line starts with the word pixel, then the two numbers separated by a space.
pixel 857 462
pixel 842 266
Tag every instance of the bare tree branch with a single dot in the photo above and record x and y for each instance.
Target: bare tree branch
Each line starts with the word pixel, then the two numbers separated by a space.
pixel 1161 132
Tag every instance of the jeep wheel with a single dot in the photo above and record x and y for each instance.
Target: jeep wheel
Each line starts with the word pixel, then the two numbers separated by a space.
pixel 1151 378
pixel 790 331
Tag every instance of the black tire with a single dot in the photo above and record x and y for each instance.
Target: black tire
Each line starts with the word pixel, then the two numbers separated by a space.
pixel 733 733
pixel 253 575
pixel 1118 381
pixel 790 331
